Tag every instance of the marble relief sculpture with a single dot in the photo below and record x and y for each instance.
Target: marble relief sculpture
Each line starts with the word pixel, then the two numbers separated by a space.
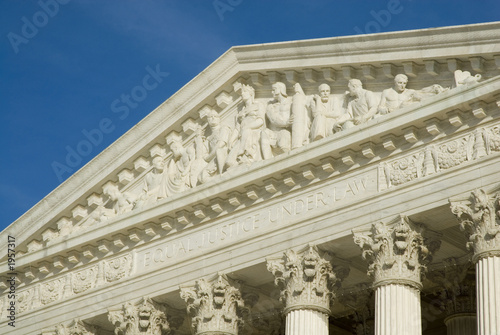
pixel 360 105
pixel 250 122
pixel 154 187
pixel 276 138
pixel 179 176
pixel 122 202
pixel 211 152
pixel 261 132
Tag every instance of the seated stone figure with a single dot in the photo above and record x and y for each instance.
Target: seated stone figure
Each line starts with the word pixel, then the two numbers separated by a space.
pixel 397 96
pixel 211 152
pixel 179 168
pixel 154 184
pixel 122 202
pixel 250 122
pixel 324 114
pixel 276 138
pixel 359 104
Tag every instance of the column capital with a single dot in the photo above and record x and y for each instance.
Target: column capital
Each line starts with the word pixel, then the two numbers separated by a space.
pixel 307 280
pixel 145 317
pixel 456 287
pixel 480 220
pixel 77 327
pixel 396 253
pixel 215 305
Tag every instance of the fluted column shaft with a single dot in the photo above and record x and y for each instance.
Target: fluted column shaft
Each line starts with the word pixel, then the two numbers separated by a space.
pixel 488 295
pixel 461 324
pixel 306 321
pixel 397 310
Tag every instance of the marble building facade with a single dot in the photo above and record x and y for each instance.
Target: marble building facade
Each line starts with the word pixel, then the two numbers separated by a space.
pixel 343 185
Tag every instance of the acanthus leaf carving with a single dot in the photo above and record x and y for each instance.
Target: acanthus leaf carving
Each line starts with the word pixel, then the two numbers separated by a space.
pixel 84 279
pixel 307 280
pixel 480 220
pixel 215 306
pixel 398 253
pixel 52 290
pixel 145 317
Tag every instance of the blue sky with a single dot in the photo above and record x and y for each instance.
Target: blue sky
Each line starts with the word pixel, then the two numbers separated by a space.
pixel 63 63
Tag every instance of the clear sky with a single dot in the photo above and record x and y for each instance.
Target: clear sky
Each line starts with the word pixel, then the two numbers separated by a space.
pixel 64 64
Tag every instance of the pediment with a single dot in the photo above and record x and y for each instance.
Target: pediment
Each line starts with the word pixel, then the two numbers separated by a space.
pixel 106 200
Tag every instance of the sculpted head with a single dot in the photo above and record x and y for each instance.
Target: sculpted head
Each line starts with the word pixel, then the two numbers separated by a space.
pixel 400 82
pixel 158 163
pixel 247 92
pixel 213 118
pixel 279 89
pixel 176 147
pixel 324 92
pixel 355 86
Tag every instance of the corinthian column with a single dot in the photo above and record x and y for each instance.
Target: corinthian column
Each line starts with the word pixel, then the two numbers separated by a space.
pixel 145 317
pixel 77 327
pixel 308 284
pixel 397 256
pixel 480 221
pixel 215 306
pixel 457 293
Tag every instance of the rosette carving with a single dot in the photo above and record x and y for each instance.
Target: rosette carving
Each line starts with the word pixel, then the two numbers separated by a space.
pixel 307 280
pixel 52 290
pixel 146 318
pixel 117 268
pixel 215 306
pixel 480 220
pixel 455 152
pixel 404 170
pixel 84 279
pixel 398 253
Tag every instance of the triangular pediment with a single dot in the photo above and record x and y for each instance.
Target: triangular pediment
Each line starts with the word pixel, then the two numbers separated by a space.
pixel 139 189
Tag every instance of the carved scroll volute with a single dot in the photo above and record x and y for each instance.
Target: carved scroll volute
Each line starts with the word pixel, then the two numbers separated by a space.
pixel 77 327
pixel 146 318
pixel 480 220
pixel 215 306
pixel 307 280
pixel 397 254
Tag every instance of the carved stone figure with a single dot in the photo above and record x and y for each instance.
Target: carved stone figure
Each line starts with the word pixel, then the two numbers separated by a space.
pixel 122 202
pixel 300 117
pixel 250 123
pixel 215 306
pixel 360 104
pixel 276 139
pixel 398 96
pixel 146 317
pixel 154 187
pixel 324 114
pixel 179 176
pixel 465 78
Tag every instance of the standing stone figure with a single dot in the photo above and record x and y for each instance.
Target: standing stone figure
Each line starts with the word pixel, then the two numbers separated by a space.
pixel 179 168
pixel 360 104
pixel 211 151
pixel 398 96
pixel 301 120
pixel 250 123
pixel 276 139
